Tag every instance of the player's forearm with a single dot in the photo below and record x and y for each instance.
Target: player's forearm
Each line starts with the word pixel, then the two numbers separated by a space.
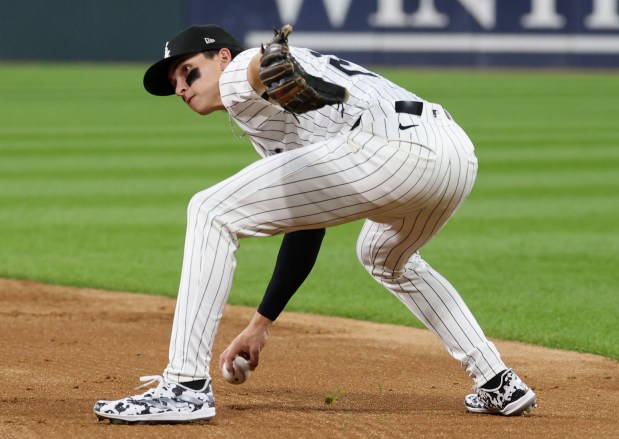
pixel 253 75
pixel 295 261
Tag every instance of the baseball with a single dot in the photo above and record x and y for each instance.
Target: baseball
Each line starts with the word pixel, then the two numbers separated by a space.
pixel 241 371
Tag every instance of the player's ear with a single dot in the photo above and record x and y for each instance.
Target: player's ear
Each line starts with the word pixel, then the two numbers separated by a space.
pixel 225 56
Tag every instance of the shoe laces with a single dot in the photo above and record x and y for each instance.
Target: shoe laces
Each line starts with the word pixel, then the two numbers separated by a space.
pixel 149 380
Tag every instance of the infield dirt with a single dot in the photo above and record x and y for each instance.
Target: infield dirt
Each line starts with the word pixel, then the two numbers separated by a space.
pixel 64 348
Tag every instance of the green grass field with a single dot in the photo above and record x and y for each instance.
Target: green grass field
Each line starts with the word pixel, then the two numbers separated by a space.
pixel 95 176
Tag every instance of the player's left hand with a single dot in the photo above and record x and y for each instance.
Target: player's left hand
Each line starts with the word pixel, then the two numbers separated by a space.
pixel 248 344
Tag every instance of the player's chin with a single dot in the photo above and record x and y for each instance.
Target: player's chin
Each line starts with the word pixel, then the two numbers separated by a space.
pixel 202 110
pixel 204 105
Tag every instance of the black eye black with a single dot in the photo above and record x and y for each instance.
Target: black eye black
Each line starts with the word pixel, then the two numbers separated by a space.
pixel 192 76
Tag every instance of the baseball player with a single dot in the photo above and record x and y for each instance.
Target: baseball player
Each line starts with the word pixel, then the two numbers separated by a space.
pixel 338 143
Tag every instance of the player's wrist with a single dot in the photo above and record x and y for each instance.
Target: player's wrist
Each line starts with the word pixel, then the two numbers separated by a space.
pixel 259 321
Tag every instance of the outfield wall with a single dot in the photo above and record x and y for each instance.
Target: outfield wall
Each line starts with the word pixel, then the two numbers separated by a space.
pixel 556 33
pixel 87 30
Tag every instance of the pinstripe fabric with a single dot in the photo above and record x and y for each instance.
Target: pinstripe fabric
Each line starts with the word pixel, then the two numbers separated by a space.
pixel 273 130
pixel 406 183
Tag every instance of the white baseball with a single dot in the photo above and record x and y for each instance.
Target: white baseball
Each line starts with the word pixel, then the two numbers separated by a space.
pixel 241 371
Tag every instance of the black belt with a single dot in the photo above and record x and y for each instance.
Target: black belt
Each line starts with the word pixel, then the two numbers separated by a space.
pixel 410 107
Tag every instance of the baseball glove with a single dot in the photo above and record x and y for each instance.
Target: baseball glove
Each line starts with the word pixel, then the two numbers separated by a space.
pixel 289 84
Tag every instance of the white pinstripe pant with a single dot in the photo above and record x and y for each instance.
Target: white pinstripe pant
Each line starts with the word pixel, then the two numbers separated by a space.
pixel 406 188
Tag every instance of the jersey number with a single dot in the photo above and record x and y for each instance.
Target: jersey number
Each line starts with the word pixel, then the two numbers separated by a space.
pixel 339 64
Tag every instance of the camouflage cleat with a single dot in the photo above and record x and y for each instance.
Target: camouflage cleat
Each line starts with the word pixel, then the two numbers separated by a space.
pixel 167 403
pixel 511 397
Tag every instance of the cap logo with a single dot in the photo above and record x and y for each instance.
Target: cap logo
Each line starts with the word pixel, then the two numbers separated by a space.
pixel 209 40
pixel 166 51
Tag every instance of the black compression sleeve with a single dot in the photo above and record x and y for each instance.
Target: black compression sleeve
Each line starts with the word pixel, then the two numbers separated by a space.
pixel 295 260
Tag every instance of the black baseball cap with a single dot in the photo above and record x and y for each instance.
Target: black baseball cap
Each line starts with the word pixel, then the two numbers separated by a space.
pixel 194 39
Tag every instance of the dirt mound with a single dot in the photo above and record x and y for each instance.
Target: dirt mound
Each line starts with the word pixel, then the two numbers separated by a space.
pixel 64 348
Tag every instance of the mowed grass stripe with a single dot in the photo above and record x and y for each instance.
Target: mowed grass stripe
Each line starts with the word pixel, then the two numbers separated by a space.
pixel 94 184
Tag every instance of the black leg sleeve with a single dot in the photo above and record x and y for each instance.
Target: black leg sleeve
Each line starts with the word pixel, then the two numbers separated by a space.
pixel 295 260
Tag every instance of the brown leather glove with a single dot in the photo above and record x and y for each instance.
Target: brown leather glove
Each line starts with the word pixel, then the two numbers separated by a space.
pixel 289 84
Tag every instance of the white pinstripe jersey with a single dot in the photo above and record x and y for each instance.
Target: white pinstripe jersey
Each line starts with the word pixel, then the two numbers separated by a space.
pixel 271 129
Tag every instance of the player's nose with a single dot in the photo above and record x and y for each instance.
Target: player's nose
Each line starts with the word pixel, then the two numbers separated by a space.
pixel 181 88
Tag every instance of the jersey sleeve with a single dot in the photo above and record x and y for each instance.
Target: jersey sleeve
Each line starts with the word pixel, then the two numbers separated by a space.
pixel 262 120
pixel 270 128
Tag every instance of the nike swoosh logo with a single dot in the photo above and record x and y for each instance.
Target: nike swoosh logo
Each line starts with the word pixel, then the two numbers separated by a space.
pixel 405 127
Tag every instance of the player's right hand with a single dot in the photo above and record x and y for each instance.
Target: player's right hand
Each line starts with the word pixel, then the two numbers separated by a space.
pixel 248 344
